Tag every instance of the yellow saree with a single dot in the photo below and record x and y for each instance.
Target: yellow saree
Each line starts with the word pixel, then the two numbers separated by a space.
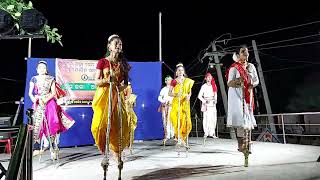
pixel 132 117
pixel 185 117
pixel 100 117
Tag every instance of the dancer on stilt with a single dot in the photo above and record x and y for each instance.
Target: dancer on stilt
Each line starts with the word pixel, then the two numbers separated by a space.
pixel 130 104
pixel 110 127
pixel 208 98
pixel 180 114
pixel 49 120
pixel 165 108
pixel 242 78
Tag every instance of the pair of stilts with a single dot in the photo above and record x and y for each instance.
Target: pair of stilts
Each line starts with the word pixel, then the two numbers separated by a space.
pixel 180 142
pixel 106 159
pixel 53 143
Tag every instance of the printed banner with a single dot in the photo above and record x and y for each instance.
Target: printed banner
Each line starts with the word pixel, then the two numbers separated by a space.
pixel 76 77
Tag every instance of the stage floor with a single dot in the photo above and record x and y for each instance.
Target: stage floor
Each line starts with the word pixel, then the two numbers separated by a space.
pixel 219 159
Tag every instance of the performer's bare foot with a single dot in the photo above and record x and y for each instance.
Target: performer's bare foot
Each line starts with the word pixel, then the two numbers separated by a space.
pixel 43 150
pixel 181 143
pixel 36 152
pixel 53 155
pixel 105 163
pixel 242 148
pixel 204 139
pixel 165 140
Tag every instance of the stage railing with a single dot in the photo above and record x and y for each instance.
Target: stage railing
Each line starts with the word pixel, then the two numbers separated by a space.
pixel 10 133
pixel 305 124
pixel 20 165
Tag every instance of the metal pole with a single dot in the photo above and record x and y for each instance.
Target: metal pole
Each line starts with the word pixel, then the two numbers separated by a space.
pixel 29 48
pixel 283 131
pixel 18 110
pixel 264 87
pixel 120 162
pixel 217 133
pixel 220 78
pixel 222 87
pixel 29 149
pixel 179 138
pixel 160 36
pixel 105 160
pixel 197 127
pixel 29 170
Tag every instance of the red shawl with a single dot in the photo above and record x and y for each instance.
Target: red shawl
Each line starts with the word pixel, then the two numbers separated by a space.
pixel 244 75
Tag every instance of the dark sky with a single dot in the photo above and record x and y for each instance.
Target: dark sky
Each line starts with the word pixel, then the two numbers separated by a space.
pixel 188 28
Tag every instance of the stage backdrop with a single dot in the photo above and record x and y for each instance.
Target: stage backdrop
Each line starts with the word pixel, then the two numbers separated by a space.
pixel 76 76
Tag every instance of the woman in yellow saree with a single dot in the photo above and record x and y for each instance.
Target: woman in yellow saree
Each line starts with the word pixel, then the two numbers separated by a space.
pixel 132 117
pixel 111 71
pixel 180 116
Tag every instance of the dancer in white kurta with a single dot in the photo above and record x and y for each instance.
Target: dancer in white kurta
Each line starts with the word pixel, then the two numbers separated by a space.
pixel 208 98
pixel 166 102
pixel 242 78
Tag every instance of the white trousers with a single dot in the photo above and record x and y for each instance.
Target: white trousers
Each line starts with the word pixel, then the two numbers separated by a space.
pixel 45 141
pixel 167 124
pixel 210 121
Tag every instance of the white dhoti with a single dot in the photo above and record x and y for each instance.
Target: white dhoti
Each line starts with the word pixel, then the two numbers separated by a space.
pixel 210 121
pixel 209 100
pixel 166 101
pixel 167 124
pixel 240 114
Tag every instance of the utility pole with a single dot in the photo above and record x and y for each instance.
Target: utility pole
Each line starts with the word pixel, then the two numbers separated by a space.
pixel 220 78
pixel 264 88
pixel 160 36
pixel 222 87
pixel 29 47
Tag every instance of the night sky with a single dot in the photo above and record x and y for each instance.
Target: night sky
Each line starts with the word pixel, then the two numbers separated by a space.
pixel 291 73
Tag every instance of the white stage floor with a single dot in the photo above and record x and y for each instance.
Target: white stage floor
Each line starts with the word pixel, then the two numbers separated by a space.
pixel 219 159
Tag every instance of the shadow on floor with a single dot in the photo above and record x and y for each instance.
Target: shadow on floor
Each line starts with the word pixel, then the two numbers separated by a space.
pixel 188 171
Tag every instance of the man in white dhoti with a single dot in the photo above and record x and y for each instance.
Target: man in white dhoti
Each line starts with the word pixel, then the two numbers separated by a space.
pixel 166 102
pixel 208 98
pixel 242 77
